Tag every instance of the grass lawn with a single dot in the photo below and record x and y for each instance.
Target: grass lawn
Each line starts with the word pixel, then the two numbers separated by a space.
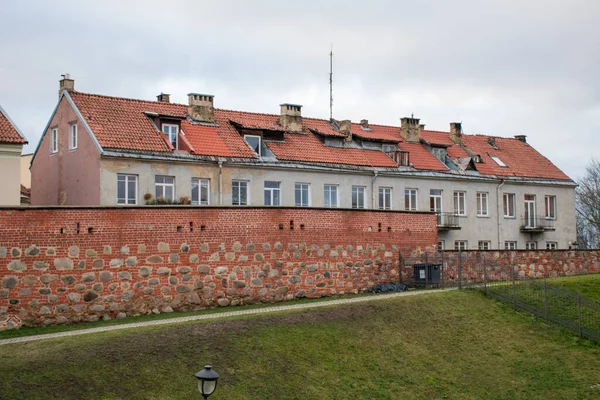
pixel 587 285
pixel 454 345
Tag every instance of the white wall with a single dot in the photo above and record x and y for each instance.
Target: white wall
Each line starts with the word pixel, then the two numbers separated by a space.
pixel 10 176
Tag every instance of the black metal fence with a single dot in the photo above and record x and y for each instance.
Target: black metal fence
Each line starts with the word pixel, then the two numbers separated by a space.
pixel 533 292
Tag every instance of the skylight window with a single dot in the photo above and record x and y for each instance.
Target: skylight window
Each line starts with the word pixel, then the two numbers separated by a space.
pixel 499 161
pixel 254 142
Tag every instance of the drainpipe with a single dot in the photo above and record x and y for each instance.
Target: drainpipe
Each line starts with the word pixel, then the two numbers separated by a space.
pixel 498 211
pixel 373 189
pixel 220 183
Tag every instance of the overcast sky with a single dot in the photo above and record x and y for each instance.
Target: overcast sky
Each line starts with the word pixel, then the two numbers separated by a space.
pixel 501 67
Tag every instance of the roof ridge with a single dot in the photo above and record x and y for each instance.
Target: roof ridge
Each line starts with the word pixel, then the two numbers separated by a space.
pixel 127 99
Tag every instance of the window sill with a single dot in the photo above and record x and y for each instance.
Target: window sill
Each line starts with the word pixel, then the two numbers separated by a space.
pixel 483 216
pixel 507 217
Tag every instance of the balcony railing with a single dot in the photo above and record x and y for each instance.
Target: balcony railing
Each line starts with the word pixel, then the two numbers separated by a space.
pixel 447 221
pixel 402 158
pixel 536 224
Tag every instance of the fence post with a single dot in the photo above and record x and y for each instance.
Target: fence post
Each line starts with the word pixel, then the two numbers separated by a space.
pixel 426 270
pixel 512 269
pixel 459 269
pixel 442 268
pixel 400 266
pixel 579 313
pixel 484 274
pixel 545 299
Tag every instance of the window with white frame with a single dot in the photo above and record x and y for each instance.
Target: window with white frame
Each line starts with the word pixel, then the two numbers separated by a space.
pixel 200 191
pixel 302 194
pixel 435 200
pixel 551 245
pixel 171 131
pixel 330 193
pixel 73 137
pixel 531 245
pixel 440 245
pixel 385 198
pixel 482 204
pixel 509 205
pixel 239 193
pixel 484 245
pixel 550 207
pixel 164 187
pixel 460 245
pixel 410 199
pixel 510 245
pixel 254 142
pixel 459 203
pixel 358 197
pixel 126 189
pixel 54 140
pixel 272 193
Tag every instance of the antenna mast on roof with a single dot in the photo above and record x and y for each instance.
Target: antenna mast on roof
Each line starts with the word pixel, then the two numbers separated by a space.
pixel 331 84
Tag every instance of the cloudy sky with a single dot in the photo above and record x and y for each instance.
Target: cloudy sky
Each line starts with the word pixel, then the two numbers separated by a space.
pixel 502 67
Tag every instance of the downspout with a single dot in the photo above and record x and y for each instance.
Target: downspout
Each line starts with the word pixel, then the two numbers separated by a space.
pixel 498 211
pixel 375 173
pixel 220 183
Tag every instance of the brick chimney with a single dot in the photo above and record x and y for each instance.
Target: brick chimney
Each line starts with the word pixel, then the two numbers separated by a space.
pixel 456 132
pixel 346 129
pixel 163 98
pixel 200 107
pixel 290 117
pixel 364 123
pixel 492 141
pixel 522 138
pixel 66 83
pixel 410 130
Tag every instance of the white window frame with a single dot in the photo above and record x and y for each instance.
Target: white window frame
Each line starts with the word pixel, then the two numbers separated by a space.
pixel 509 199
pixel 498 161
pixel 410 204
pixel 163 186
pixel 240 184
pixel 200 183
pixel 531 245
pixel 435 197
pixel 441 245
pixel 269 193
pixel 461 245
pixel 383 193
pixel 304 194
pixel 460 196
pixel 327 191
pixel 360 192
pixel 484 245
pixel 551 245
pixel 510 245
pixel 170 133
pixel 54 140
pixel 481 212
pixel 550 207
pixel 259 152
pixel 127 178
pixel 73 139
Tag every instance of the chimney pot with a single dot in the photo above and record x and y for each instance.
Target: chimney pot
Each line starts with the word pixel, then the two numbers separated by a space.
pixel 409 129
pixel 66 83
pixel 522 138
pixel 456 132
pixel 201 108
pixel 290 117
pixel 163 98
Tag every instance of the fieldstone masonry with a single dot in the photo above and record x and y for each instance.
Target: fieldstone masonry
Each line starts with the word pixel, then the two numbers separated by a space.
pixel 150 260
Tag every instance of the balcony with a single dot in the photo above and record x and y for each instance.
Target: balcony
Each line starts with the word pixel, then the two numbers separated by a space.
pixel 447 221
pixel 536 224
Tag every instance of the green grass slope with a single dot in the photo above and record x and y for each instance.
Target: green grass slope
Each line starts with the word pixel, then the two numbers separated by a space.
pixel 454 345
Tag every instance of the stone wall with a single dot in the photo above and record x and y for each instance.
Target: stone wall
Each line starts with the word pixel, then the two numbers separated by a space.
pixel 527 264
pixel 61 265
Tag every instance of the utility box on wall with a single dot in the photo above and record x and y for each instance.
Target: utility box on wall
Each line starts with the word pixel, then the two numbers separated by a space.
pixel 427 274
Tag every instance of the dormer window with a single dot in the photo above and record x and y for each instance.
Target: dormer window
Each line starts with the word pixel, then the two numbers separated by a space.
pixel 439 153
pixel 388 148
pixel 171 132
pixel 254 142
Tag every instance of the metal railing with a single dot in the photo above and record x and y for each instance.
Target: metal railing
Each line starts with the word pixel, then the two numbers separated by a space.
pixel 537 223
pixel 447 220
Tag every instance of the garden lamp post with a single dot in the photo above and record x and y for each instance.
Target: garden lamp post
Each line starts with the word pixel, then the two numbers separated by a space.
pixel 207 381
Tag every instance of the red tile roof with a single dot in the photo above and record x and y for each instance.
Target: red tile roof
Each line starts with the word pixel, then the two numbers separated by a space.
pixel 521 159
pixel 120 123
pixel 9 133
